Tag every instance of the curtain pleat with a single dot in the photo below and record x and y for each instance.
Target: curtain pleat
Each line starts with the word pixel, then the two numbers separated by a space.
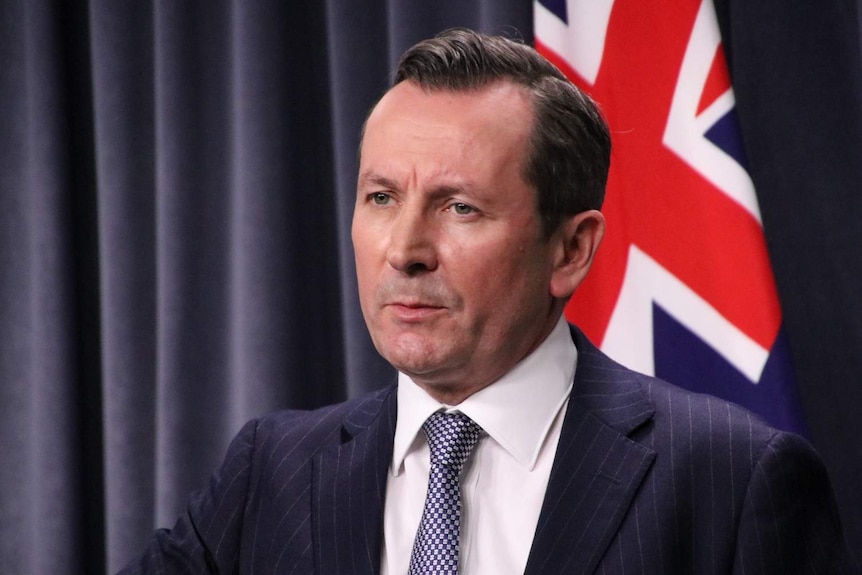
pixel 121 41
pixel 46 295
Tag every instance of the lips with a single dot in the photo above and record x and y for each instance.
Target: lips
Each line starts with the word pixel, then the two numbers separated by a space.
pixel 413 301
pixel 410 312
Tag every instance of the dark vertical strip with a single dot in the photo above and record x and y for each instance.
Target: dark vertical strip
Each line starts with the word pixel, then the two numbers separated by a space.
pixel 797 77
pixel 75 40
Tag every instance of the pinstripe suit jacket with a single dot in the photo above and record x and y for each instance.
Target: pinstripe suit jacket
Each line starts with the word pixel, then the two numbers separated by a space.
pixel 647 479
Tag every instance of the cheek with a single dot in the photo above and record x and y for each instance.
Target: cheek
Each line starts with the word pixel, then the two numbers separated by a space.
pixel 365 268
pixel 521 279
pixel 499 277
pixel 367 247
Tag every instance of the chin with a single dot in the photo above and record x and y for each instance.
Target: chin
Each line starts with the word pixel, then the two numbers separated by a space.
pixel 413 366
pixel 417 366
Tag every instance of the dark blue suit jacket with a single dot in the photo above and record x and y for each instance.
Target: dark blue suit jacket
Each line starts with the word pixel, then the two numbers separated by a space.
pixel 647 479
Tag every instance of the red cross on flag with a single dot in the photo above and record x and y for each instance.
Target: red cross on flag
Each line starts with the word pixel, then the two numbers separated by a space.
pixel 682 287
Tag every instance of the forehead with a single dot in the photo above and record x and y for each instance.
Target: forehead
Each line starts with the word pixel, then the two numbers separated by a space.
pixel 468 127
pixel 483 104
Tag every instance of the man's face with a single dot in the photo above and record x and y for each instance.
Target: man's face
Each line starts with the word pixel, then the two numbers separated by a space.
pixel 452 265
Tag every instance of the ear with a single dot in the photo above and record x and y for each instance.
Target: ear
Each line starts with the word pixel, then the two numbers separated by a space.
pixel 576 241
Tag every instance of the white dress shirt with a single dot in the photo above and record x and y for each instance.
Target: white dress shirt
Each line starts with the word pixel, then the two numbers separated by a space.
pixel 503 482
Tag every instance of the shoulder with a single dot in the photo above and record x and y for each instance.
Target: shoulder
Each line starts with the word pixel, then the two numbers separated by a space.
pixel 675 413
pixel 684 428
pixel 719 469
pixel 722 443
pixel 704 415
pixel 304 430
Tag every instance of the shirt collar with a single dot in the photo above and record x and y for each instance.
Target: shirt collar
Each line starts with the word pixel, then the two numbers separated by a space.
pixel 517 410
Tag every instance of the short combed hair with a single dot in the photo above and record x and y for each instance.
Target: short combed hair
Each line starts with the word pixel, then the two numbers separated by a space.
pixel 570 146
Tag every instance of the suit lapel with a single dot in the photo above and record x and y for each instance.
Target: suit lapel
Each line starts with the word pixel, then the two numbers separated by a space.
pixel 348 490
pixel 597 468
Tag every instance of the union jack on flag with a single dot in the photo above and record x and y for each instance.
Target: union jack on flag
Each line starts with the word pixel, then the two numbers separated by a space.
pixel 682 287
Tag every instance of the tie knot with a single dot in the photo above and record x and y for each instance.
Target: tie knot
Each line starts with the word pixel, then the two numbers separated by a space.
pixel 451 437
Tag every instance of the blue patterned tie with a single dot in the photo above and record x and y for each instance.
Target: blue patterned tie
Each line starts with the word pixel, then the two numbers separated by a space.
pixel 451 437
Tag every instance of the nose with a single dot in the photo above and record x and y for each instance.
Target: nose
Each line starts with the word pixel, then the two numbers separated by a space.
pixel 412 242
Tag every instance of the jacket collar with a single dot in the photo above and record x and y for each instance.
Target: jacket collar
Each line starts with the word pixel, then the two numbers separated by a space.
pixel 597 469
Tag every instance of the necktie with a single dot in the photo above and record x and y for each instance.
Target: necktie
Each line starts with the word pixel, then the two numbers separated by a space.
pixel 451 437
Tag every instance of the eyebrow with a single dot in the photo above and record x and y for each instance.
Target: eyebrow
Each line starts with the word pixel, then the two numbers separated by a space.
pixel 375 179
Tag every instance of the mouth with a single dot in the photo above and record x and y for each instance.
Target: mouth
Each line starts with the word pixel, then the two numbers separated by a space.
pixel 411 312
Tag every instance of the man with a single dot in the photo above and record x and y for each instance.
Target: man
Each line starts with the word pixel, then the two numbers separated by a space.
pixel 481 174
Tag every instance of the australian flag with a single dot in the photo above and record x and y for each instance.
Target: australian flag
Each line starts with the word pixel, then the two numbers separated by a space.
pixel 682 287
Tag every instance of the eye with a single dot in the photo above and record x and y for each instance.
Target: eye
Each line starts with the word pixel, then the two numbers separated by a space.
pixel 462 209
pixel 380 198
